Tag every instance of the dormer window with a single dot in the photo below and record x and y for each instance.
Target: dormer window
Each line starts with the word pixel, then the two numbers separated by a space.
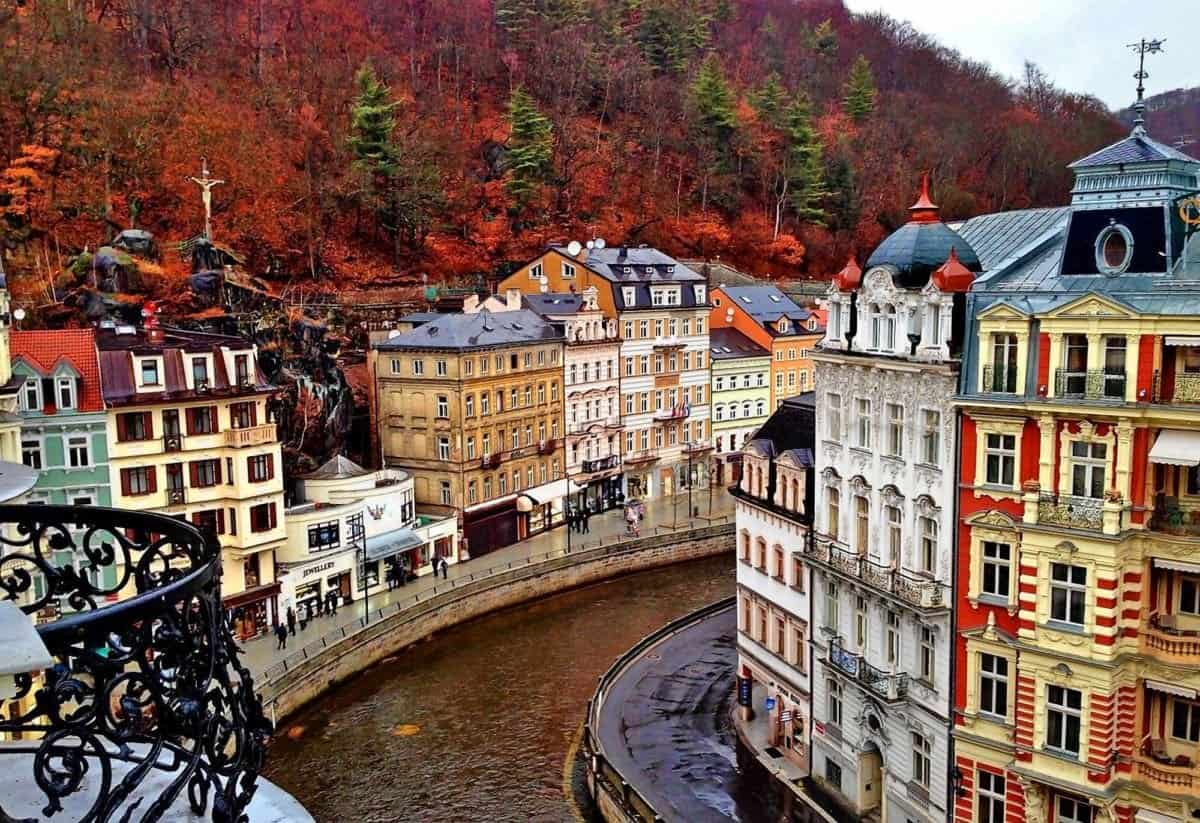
pixel 812 324
pixel 629 294
pixel 568 271
pixel 31 395
pixel 199 372
pixel 783 325
pixel 241 368
pixel 66 392
pixel 535 271
pixel 1114 249
pixel 699 292
pixel 149 369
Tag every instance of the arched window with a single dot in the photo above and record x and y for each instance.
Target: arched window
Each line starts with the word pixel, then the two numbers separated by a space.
pixel 876 332
pixel 745 408
pixel 719 412
pixel 797 503
pixel 760 554
pixel 862 524
pixel 833 499
pixel 760 408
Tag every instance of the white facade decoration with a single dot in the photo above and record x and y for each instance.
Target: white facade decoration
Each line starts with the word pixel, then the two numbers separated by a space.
pixel 593 403
pixel 882 557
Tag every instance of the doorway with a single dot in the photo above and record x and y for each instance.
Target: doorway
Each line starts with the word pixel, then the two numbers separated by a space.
pixel 870 779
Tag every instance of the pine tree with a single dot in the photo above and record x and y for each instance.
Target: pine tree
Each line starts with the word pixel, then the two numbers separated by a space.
pixel 372 123
pixel 714 120
pixel 805 166
pixel 824 40
pixel 530 147
pixel 768 100
pixel 859 91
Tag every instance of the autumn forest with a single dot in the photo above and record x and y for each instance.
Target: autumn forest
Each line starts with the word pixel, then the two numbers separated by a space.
pixel 374 141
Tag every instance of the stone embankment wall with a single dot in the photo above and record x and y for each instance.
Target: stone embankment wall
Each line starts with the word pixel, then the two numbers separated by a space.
pixel 285 692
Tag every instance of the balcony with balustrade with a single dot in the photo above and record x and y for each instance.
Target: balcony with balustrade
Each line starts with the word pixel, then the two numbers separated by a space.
pixel 1070 511
pixel 916 591
pixel 1093 384
pixel 1168 760
pixel 250 436
pixel 132 702
pixel 891 687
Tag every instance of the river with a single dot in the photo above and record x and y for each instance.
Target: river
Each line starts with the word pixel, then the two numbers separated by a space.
pixel 477 723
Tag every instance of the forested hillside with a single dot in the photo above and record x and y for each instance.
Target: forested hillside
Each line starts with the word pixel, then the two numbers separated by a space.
pixel 1173 117
pixel 373 141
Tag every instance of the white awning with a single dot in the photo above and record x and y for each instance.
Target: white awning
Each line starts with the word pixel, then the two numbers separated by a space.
pixel 1176 447
pixel 1170 688
pixel 1177 340
pixel 1177 566
pixel 1148 816
pixel 545 493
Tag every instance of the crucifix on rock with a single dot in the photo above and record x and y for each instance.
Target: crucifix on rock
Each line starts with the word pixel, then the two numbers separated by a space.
pixel 206 184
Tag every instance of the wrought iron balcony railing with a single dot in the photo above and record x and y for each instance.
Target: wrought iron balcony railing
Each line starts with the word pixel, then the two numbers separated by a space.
pixel 891 687
pixel 1071 511
pixel 999 381
pixel 1096 384
pixel 146 707
pixel 915 590
pixel 601 464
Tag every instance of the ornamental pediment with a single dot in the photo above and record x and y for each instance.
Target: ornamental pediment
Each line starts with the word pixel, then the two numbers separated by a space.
pixel 1002 311
pixel 993 519
pixel 1091 305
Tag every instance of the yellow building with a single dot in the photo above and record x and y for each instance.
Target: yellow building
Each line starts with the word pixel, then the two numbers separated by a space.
pixel 1079 582
pixel 189 435
pixel 471 405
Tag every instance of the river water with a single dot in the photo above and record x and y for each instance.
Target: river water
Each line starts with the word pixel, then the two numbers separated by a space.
pixel 477 723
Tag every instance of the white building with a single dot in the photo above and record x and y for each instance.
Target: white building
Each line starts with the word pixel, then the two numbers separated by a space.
pixel 882 560
pixel 773 502
pixel 353 530
pixel 591 383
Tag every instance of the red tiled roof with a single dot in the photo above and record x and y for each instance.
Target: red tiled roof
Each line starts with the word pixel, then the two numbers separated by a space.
pixel 44 350
pixel 850 277
pixel 953 276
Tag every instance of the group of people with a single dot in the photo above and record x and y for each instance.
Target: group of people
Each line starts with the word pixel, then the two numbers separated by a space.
pixel 397 574
pixel 577 519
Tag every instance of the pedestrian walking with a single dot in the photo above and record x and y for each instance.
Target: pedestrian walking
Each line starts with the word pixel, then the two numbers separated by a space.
pixel 445 569
pixel 281 634
pixel 291 621
pixel 587 515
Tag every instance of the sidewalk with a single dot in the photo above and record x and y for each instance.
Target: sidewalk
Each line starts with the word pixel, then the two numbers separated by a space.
pixel 662 515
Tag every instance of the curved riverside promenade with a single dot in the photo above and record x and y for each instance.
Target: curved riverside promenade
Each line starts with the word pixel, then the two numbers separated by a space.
pixel 289 679
pixel 637 693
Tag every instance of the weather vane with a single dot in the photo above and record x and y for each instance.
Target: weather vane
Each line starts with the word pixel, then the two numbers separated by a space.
pixel 1141 49
pixel 206 185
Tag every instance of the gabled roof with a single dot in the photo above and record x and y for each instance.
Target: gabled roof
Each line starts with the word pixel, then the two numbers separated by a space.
pixel 484 329
pixel 43 351
pixel 731 344
pixel 645 265
pixel 1136 148
pixel 551 304
pixel 997 237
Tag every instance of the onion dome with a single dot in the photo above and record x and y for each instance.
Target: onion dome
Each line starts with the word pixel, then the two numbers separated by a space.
pixel 923 244
pixel 849 278
pixel 952 276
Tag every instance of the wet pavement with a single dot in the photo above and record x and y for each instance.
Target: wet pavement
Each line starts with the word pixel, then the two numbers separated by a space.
pixel 665 728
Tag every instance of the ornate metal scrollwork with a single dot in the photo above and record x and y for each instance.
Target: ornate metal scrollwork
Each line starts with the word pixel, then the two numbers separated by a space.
pixel 146 680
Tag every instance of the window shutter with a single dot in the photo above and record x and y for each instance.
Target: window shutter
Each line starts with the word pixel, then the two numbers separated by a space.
pixel 216 419
pixel 233 521
pixel 270 467
pixel 148 420
pixel 271 515
pixel 125 485
pixel 217 471
pixel 253 413
pixel 190 414
pixel 220 521
pixel 193 474
pixel 152 479
pixel 122 429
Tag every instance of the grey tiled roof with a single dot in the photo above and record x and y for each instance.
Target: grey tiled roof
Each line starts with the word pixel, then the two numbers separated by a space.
pixel 766 304
pixel 731 344
pixel 1137 148
pixel 647 267
pixel 337 467
pixel 997 237
pixel 484 329
pixel 553 303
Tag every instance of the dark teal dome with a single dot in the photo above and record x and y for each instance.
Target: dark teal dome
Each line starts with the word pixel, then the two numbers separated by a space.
pixel 917 248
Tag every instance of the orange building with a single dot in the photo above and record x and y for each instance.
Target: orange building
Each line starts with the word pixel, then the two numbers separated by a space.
pixel 772 320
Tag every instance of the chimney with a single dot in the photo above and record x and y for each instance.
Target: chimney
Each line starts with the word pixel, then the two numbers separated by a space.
pixel 471 304
pixel 512 299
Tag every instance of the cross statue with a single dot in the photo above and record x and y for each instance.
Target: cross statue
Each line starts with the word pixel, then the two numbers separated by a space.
pixel 206 184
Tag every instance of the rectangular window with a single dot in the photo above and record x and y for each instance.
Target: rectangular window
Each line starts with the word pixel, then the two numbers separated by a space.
pixel 895 430
pixel 134 426
pixel 395 365
pixel 831 606
pixel 138 481
pixel 31 453
pixel 864 423
pixel 892 637
pixel 1114 367
pixel 927 527
pixel 989 797
pixel 931 437
pixel 893 517
pixel 446 496
pixel 862 524
pixel 860 624
pixel 834 515
pixel 1064 710
pixel 322 536
pixel 1068 590
pixel 78 452
pixel 262 517
pixel 149 369
pixel 443 448
pixel 66 392
pixel 1088 463
pixel 833 403
pixel 205 473
pixel 202 420
pixel 440 368
pixel 1185 720
pixel 485 401
pixel 242 415
pixel 1074 376
pixel 260 468
pixel 469 405
pixel 1000 459
pixel 922 759
pixel 199 372
pixel 993 685
pixel 418 368
pixel 31 395
pixel 835 702
pixel 443 406
pixel 1071 810
pixel 997 565
pixel 1189 595
pixel 928 658
pixel 1004 363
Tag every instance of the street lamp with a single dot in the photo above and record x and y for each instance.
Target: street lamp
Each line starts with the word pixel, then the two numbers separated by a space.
pixel 366 583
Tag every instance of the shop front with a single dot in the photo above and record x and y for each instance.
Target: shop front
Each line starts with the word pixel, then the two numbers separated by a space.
pixel 307 585
pixel 253 613
pixel 492 526
pixel 601 486
pixel 544 506
pixel 392 557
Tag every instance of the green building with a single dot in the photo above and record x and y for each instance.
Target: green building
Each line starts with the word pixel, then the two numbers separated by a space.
pixel 63 428
pixel 741 396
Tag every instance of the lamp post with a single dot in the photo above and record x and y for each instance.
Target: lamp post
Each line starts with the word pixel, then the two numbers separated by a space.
pixel 366 584
pixel 691 482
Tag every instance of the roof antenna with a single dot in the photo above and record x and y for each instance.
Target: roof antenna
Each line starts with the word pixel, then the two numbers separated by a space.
pixel 1141 49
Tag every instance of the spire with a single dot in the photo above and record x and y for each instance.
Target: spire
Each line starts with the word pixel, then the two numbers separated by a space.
pixel 924 210
pixel 850 277
pixel 952 276
pixel 1141 49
